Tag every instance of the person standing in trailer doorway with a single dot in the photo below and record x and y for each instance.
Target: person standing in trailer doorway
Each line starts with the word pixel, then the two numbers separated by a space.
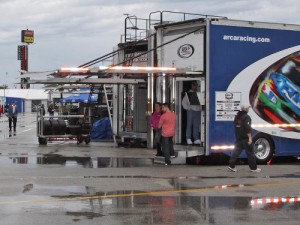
pixel 12 116
pixel 154 119
pixel 191 104
pixel 167 123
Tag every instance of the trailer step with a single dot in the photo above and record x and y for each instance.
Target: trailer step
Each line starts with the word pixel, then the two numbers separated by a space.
pixel 189 150
pixel 174 161
pixel 182 152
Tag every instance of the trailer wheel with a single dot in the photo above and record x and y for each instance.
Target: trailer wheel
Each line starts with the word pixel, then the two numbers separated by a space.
pixel 263 148
pixel 43 141
pixel 79 140
pixel 87 140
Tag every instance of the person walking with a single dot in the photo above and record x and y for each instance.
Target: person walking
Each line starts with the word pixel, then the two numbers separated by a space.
pixel 167 123
pixel 191 104
pixel 243 134
pixel 42 110
pixel 154 120
pixel 51 110
pixel 12 116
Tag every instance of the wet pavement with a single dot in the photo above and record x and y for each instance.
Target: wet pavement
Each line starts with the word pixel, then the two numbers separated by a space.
pixel 69 183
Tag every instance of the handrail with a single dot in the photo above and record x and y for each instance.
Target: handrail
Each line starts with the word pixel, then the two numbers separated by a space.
pixel 184 14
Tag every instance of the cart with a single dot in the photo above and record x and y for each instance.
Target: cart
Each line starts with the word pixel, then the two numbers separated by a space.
pixel 62 127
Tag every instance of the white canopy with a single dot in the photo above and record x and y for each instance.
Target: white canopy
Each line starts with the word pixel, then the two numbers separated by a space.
pixel 32 94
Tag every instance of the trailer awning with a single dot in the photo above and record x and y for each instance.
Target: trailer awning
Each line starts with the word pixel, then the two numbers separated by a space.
pixel 91 81
pixel 82 97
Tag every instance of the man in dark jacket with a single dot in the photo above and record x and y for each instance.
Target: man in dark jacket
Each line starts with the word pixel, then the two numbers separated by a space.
pixel 243 135
pixel 12 116
pixel 51 110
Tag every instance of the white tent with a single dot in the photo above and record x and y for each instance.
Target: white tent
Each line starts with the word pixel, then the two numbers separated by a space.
pixel 32 94
pixel 30 98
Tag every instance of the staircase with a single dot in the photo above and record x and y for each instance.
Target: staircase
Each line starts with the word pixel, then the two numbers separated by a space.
pixel 109 104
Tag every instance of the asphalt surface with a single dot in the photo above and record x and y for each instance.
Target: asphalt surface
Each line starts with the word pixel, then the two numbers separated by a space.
pixel 69 183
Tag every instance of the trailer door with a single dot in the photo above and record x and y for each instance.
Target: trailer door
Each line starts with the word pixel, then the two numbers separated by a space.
pixel 182 86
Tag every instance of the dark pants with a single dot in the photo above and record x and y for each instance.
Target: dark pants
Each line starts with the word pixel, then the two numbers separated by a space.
pixel 167 147
pixel 239 146
pixel 14 120
pixel 51 114
pixel 157 141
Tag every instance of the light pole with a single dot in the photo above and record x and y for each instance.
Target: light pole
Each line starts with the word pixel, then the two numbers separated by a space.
pixel 4 97
pixel 5 84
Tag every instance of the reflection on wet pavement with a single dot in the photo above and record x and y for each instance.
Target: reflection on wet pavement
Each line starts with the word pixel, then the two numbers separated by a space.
pixel 80 162
pixel 153 209
pixel 102 162
pixel 84 204
pixel 172 209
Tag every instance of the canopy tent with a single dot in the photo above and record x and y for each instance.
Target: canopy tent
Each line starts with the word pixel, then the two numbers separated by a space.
pixel 82 97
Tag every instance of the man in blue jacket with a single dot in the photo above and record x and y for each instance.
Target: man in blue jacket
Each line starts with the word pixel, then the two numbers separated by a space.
pixel 12 115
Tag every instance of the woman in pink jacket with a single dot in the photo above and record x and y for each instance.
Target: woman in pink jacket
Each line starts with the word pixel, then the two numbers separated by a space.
pixel 154 119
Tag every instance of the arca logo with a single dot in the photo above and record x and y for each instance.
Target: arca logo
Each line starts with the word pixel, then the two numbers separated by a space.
pixel 185 51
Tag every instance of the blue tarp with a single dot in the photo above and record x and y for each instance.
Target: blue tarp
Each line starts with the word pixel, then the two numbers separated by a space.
pixel 82 97
pixel 19 102
pixel 101 129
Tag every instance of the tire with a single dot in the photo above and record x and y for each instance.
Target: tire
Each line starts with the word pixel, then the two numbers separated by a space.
pixel 54 127
pixel 47 127
pixel 87 140
pixel 62 126
pixel 263 148
pixel 43 141
pixel 40 141
pixel 79 140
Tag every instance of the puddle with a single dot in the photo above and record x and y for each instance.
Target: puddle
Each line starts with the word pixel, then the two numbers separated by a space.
pixel 4 135
pixel 172 209
pixel 76 162
pixel 83 203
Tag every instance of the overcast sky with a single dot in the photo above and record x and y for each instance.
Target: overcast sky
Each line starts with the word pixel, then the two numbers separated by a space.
pixel 72 32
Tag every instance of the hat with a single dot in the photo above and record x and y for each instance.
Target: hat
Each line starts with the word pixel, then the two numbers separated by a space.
pixel 245 106
pixel 195 83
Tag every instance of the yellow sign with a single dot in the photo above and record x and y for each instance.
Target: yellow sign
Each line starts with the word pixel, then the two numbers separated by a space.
pixel 28 39
pixel 27 36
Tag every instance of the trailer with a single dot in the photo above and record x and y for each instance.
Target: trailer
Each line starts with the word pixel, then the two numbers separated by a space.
pixel 234 62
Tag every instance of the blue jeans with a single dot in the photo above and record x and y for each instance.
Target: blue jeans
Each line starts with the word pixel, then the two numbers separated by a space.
pixel 167 147
pixel 193 124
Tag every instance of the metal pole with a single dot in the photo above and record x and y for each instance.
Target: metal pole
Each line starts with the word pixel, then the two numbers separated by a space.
pixel 5 85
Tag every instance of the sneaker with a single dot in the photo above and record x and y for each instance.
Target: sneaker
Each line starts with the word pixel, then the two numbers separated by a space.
pixel 197 142
pixel 232 169
pixel 189 142
pixel 172 156
pixel 258 170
